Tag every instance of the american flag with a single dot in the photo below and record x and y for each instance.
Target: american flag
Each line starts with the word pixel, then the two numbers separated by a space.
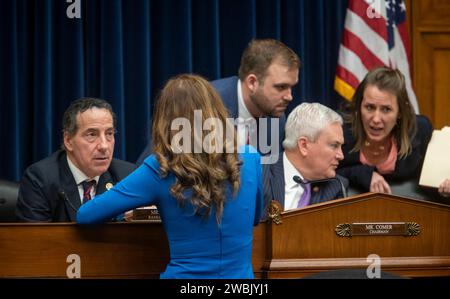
pixel 374 35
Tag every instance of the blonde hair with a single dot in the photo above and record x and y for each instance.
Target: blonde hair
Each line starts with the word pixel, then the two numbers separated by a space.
pixel 205 174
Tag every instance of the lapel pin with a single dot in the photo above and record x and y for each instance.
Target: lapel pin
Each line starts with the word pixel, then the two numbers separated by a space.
pixel 109 186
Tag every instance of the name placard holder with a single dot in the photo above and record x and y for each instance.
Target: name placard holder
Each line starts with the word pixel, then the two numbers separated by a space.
pixel 406 229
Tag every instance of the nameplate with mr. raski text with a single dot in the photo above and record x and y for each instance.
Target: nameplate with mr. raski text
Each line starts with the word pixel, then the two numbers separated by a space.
pixel 378 229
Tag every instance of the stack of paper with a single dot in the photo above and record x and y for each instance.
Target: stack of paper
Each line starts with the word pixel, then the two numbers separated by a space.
pixel 436 166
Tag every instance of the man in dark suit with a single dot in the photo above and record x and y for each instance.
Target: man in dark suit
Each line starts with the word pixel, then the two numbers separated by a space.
pixel 312 151
pixel 53 189
pixel 268 71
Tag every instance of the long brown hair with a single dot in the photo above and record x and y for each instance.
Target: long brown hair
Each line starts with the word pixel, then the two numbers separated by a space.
pixel 205 174
pixel 393 81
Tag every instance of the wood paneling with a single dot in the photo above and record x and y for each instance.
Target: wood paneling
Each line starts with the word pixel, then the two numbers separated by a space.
pixel 115 250
pixel 442 83
pixel 435 13
pixel 431 58
pixel 304 243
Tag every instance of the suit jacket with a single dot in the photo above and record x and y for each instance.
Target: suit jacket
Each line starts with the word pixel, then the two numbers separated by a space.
pixel 360 175
pixel 274 185
pixel 227 89
pixel 48 191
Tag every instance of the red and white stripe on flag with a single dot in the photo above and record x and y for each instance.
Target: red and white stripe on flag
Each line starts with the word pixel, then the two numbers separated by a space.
pixel 374 35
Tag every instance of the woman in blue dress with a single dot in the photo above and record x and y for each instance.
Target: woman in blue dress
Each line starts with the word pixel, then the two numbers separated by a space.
pixel 207 190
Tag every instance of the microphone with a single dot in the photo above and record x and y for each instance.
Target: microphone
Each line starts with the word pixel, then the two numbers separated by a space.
pixel 298 180
pixel 63 196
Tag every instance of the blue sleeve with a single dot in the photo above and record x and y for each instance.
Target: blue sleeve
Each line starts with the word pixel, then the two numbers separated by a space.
pixel 140 188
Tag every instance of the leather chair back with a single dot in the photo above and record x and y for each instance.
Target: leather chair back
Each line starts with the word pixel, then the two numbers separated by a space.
pixel 8 197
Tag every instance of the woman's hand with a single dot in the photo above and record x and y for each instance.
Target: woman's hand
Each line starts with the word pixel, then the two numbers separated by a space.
pixel 379 184
pixel 444 188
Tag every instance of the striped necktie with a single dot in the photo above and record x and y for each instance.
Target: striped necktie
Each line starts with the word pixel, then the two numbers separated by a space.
pixel 87 187
pixel 306 195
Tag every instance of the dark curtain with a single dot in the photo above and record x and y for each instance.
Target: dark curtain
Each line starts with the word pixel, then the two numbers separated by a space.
pixel 124 51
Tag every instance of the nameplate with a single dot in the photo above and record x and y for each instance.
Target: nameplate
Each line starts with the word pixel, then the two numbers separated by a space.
pixel 149 213
pixel 378 229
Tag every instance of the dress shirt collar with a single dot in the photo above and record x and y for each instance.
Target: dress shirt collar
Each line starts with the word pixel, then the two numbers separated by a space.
pixel 243 111
pixel 289 172
pixel 292 190
pixel 78 175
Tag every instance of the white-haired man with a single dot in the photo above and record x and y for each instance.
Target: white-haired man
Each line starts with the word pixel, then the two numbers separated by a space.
pixel 305 173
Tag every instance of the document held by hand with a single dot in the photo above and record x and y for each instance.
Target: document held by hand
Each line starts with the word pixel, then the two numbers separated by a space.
pixel 436 166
